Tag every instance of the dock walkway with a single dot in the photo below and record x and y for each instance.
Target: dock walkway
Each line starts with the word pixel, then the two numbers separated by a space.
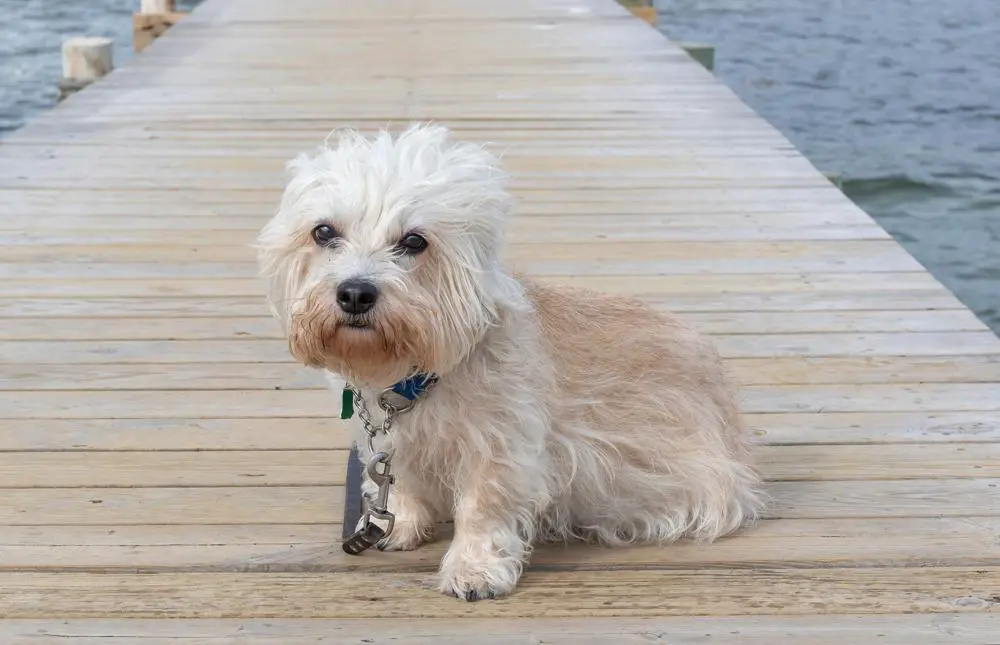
pixel 163 458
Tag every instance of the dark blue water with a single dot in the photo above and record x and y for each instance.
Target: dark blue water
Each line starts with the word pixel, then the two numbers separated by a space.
pixel 902 97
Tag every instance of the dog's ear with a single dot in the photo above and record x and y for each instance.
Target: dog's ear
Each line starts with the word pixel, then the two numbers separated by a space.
pixel 282 265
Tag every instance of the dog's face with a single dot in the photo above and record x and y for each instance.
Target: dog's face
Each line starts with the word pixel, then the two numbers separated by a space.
pixel 383 256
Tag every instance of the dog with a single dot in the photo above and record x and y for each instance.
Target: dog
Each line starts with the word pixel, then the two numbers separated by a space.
pixel 556 413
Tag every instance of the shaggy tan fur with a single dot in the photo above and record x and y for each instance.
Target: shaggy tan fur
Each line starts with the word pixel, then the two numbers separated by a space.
pixel 560 414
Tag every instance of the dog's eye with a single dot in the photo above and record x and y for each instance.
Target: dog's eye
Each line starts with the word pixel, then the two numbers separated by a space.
pixel 324 235
pixel 412 244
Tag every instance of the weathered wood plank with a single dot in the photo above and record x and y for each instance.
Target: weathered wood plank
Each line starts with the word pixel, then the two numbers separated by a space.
pixel 953 498
pixel 888 629
pixel 741 592
pixel 315 547
pixel 328 467
pixel 639 285
pixel 172 469
pixel 246 349
pixel 876 427
pixel 739 322
pixel 246 306
pixel 324 431
pixel 723 256
pixel 140 506
pixel 790 370
pixel 126 404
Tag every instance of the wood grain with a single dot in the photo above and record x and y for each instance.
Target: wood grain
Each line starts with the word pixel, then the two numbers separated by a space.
pixel 793 543
pixel 887 629
pixel 759 591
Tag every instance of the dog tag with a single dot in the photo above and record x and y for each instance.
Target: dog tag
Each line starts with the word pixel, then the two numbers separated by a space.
pixel 363 539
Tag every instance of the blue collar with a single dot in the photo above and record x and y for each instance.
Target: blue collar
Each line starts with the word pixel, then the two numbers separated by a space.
pixel 412 388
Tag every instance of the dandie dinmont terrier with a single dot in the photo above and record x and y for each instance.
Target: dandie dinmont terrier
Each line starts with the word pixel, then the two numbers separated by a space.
pixel 522 411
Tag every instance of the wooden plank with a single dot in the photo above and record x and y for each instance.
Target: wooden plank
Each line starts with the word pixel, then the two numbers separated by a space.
pixel 540 594
pixel 312 403
pixel 866 369
pixel 560 226
pixel 638 285
pixel 145 506
pixel 820 543
pixel 246 306
pixel 298 505
pixel 887 629
pixel 173 469
pixel 250 350
pixel 954 498
pixel 160 376
pixel 791 370
pixel 160 204
pixel 127 254
pixel 319 433
pixel 910 498
pixel 325 432
pixel 740 322
pixel 876 427
pixel 871 397
pixel 328 467
pixel 910 344
pixel 879 462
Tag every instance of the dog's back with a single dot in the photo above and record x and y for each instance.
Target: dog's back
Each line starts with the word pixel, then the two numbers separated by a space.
pixel 645 419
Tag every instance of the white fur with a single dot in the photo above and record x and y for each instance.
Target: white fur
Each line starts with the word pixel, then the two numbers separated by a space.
pixel 560 414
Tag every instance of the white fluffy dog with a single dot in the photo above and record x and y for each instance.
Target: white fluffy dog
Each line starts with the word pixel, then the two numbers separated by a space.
pixel 557 413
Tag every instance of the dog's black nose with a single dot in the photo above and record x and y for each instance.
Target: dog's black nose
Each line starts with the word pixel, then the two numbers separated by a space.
pixel 356 296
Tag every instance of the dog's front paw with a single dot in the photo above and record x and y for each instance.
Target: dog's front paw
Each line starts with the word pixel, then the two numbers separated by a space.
pixel 406 535
pixel 480 578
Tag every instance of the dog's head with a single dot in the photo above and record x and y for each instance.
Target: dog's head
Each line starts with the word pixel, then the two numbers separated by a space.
pixel 383 256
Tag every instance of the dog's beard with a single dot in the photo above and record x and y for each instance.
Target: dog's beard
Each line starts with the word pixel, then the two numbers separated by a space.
pixel 376 349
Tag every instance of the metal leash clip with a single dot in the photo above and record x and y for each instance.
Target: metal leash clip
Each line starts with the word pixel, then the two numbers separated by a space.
pixel 369 533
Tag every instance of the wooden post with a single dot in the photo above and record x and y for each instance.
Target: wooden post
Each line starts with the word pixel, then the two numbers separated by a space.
pixel 835 179
pixel 84 60
pixel 704 54
pixel 642 8
pixel 155 17
pixel 157 6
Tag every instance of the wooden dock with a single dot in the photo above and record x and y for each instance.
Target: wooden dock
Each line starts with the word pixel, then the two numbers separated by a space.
pixel 163 458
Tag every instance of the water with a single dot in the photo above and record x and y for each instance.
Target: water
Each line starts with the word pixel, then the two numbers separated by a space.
pixel 902 97
pixel 31 35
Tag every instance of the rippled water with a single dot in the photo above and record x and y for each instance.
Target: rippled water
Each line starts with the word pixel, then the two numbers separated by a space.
pixel 31 35
pixel 902 97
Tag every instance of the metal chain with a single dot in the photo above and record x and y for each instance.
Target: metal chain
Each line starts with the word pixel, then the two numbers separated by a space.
pixel 369 534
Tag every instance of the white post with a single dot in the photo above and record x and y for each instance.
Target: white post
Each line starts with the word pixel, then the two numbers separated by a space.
pixel 157 6
pixel 153 20
pixel 84 60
